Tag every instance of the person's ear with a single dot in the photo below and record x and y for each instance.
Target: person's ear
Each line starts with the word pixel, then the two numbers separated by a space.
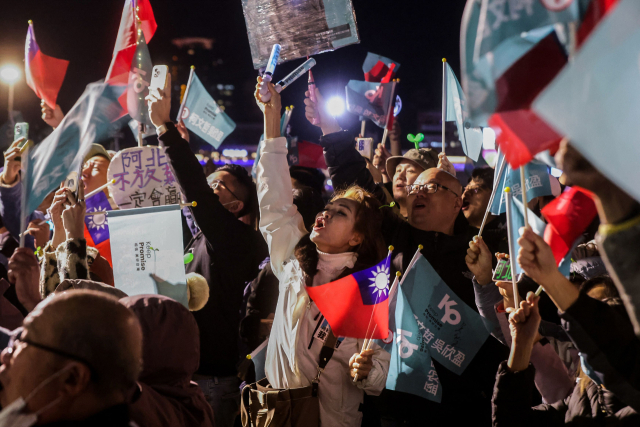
pixel 235 206
pixel 356 239
pixel 75 379
pixel 458 204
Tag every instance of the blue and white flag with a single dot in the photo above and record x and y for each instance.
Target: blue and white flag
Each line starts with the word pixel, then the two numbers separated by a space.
pixel 452 331
pixel 147 241
pixel 457 111
pixel 203 116
pixel 88 121
pixel 98 225
pixel 370 100
pixel 517 221
pixel 537 180
pixel 595 100
pixel 411 369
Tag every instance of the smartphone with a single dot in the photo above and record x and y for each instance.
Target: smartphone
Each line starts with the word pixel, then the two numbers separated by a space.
pixel 158 78
pixel 72 182
pixel 503 271
pixel 365 147
pixel 21 130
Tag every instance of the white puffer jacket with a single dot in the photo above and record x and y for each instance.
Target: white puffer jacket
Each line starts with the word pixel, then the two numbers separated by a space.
pixel 299 329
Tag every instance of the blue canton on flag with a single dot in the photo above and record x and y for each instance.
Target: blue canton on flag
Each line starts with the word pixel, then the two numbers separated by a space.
pixel 374 282
pixel 98 225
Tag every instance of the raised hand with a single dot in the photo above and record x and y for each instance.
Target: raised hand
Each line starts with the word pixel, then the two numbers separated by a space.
pixel 24 273
pixel 318 109
pixel 523 325
pixel 73 215
pixel 361 364
pixel 380 157
pixel 160 105
pixel 478 260
pixel 271 110
pixel 445 164
pixel 51 116
pixel 182 129
pixel 39 231
pixel 11 163
pixel 536 258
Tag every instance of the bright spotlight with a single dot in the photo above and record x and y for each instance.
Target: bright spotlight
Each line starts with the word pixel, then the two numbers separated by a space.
pixel 9 74
pixel 335 106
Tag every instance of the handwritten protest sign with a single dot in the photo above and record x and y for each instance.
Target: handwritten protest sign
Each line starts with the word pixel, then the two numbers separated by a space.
pixel 143 178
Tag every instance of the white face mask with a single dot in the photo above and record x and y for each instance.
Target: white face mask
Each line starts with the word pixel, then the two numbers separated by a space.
pixel 14 415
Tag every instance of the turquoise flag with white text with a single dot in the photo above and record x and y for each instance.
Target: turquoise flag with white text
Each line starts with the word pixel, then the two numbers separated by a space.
pixel 457 111
pixel 203 116
pixel 537 182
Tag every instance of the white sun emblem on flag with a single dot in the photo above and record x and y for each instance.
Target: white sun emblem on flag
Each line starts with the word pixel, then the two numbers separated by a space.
pixel 96 221
pixel 380 281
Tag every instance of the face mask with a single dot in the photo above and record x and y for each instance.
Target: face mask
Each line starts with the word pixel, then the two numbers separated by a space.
pixel 14 415
pixel 587 369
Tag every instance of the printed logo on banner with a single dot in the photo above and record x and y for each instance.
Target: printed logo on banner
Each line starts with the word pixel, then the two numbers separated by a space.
pixel 143 177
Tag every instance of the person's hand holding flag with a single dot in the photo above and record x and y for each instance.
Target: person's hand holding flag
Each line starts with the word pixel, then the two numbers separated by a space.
pixel 445 164
pixel 73 214
pixel 51 116
pixel 318 110
pixel 523 324
pixel 11 163
pixel 361 364
pixel 478 260
pixel 40 231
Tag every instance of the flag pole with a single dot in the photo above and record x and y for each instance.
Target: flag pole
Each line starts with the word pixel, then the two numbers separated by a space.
pixel 523 184
pixel 493 195
pixel 24 161
pixel 362 127
pixel 412 263
pixel 99 189
pixel 512 255
pixel 444 99
pixel 186 93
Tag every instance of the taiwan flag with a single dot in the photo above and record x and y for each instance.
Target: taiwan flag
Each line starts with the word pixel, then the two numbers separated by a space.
pixel 44 73
pixel 357 306
pixel 96 230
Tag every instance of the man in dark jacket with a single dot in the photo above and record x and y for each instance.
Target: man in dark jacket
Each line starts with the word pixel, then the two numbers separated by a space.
pixel 74 363
pixel 226 252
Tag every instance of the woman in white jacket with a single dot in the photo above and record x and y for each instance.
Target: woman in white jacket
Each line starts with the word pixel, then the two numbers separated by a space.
pixel 345 238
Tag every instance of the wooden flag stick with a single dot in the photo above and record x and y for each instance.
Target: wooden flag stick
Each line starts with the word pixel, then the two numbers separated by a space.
pixel 444 99
pixel 363 125
pixel 182 205
pixel 523 184
pixel 99 189
pixel 512 254
pixel 25 183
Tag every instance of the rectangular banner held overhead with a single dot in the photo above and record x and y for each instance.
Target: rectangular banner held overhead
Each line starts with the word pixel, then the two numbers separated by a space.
pixel 301 27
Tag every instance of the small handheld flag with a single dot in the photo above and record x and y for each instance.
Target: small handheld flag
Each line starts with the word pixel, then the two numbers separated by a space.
pixel 44 73
pixel 354 304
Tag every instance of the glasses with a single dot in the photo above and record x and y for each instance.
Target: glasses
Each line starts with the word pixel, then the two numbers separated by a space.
pixel 216 182
pixel 428 188
pixel 16 341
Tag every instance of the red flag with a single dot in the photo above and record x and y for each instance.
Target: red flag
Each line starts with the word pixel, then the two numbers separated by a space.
pixel 357 306
pixel 310 155
pixel 44 73
pixel 520 133
pixel 103 247
pixel 595 12
pixel 125 47
pixel 568 216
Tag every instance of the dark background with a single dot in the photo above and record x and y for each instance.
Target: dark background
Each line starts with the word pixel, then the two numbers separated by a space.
pixel 416 33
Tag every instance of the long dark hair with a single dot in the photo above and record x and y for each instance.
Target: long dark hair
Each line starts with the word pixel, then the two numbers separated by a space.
pixel 368 222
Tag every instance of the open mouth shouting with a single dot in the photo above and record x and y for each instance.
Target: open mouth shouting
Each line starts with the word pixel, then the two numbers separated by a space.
pixel 465 205
pixel 319 224
pixel 419 203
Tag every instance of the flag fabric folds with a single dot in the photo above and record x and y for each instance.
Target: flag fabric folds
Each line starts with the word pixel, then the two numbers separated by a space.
pixel 126 42
pixel 88 121
pixel 376 67
pixel 470 137
pixel 138 86
pixel 370 100
pixel 595 100
pixel 203 116
pixel 177 292
pixel 568 217
pixel 452 330
pixel 357 305
pixel 411 369
pixel 537 182
pixel 97 226
pixel 44 74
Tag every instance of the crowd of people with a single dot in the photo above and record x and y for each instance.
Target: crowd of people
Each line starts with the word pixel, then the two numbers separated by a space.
pixel 79 351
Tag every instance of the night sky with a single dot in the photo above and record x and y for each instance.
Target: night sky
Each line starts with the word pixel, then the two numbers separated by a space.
pixel 416 33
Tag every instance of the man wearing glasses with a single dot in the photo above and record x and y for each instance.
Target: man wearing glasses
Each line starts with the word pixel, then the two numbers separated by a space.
pixel 75 362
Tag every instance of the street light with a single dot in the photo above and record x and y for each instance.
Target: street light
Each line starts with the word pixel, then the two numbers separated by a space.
pixel 10 74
